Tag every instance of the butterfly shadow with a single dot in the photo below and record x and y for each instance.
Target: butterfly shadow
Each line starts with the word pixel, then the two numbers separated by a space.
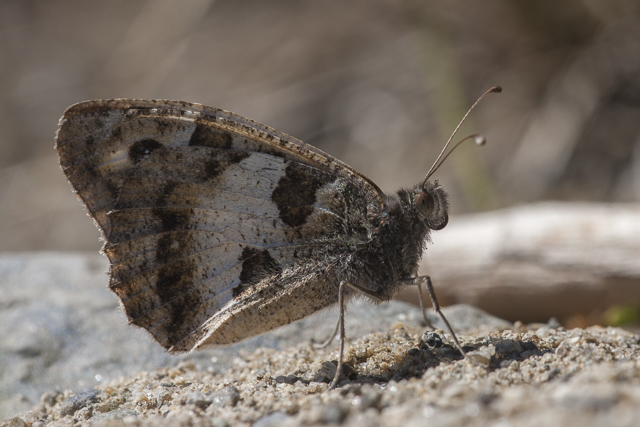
pixel 492 354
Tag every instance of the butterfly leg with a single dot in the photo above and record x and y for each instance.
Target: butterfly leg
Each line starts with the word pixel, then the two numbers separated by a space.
pixel 331 337
pixel 423 309
pixel 418 281
pixel 340 327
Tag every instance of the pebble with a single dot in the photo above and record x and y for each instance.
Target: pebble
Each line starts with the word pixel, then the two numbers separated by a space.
pixel 77 402
pixel 199 399
pixel 228 396
pixel 273 420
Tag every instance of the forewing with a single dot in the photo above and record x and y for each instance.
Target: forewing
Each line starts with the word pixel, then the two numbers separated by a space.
pixel 199 208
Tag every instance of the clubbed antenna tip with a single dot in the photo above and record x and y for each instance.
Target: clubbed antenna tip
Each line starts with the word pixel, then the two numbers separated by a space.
pixel 478 139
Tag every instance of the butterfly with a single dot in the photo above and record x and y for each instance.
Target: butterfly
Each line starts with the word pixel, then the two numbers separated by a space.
pixel 218 228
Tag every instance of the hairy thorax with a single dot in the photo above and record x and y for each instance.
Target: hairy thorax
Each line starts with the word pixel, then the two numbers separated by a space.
pixel 394 249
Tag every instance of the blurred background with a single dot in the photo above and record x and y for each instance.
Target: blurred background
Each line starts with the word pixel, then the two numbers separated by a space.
pixel 379 84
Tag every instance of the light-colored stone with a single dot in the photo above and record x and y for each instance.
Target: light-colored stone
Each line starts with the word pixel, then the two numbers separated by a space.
pixel 63 329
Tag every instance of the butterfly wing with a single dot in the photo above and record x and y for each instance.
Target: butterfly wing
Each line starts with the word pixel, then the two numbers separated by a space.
pixel 217 228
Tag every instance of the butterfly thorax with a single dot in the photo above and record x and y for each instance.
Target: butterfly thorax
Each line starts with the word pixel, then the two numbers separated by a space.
pixel 395 248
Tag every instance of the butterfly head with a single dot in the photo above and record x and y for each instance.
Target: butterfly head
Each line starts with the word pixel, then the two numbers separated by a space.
pixel 432 204
pixel 430 199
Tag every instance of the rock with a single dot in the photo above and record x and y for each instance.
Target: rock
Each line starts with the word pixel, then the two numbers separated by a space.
pixel 77 402
pixel 63 329
pixel 326 372
pixel 431 340
pixel 273 420
pixel 287 379
pixel 228 396
pixel 115 415
pixel 527 262
pixel 518 379
pixel 367 397
pixel 483 355
pixel 199 399
pixel 14 422
pixel 332 413
pixel 599 397
pixel 466 318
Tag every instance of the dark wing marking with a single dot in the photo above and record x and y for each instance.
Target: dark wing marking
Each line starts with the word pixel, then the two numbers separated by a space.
pixel 210 219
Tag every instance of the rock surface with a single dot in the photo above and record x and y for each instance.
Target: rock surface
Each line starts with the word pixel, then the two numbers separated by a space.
pixel 529 376
pixel 396 374
pixel 63 329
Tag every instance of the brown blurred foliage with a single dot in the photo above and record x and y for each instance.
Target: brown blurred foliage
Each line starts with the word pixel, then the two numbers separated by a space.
pixel 379 83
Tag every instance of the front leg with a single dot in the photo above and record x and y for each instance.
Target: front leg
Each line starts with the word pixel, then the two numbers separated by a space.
pixel 436 306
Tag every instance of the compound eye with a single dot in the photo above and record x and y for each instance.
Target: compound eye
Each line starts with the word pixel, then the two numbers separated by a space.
pixel 425 203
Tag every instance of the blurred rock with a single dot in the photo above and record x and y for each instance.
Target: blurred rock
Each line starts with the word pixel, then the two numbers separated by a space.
pixel 534 262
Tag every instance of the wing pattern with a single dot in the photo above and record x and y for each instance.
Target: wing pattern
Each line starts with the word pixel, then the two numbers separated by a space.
pixel 217 228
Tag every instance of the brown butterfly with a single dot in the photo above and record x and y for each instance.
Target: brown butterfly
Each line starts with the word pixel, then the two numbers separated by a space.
pixel 219 228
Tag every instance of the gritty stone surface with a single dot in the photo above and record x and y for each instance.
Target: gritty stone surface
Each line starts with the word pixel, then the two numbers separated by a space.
pixel 526 376
pixel 62 329
pixel 397 372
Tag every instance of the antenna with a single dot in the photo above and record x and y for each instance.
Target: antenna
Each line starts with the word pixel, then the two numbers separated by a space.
pixel 479 139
